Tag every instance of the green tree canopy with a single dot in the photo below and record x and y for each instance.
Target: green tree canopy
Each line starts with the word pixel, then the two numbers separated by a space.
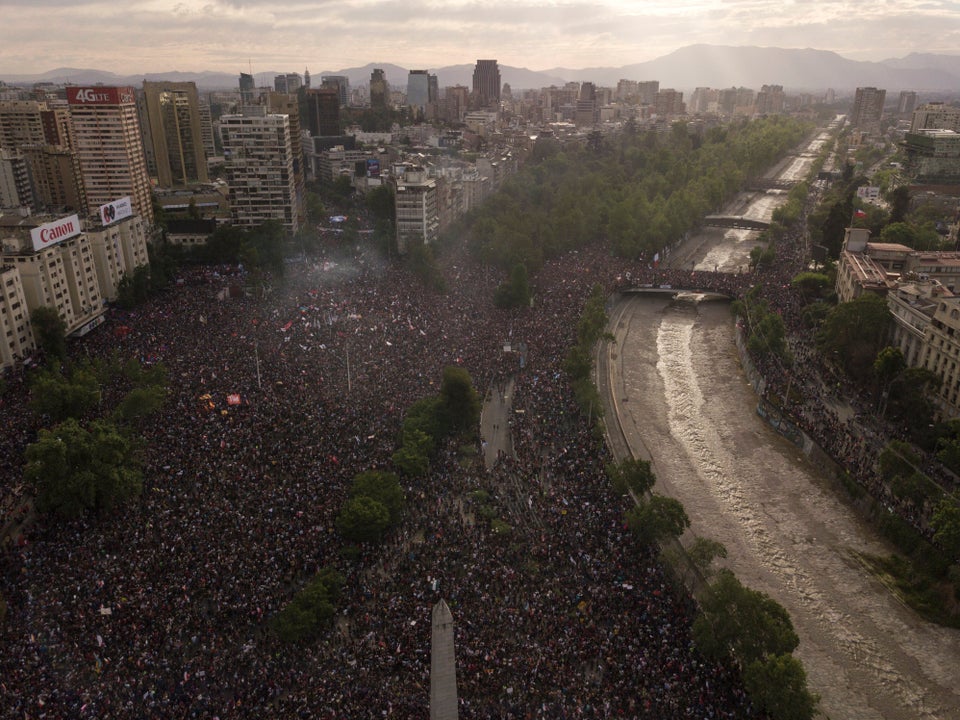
pixel 459 402
pixel 634 475
pixel 778 686
pixel 657 519
pixel 384 487
pixel 854 332
pixel 59 397
pixel 738 621
pixel 50 332
pixel 363 519
pixel 312 609
pixel 74 470
pixel 946 526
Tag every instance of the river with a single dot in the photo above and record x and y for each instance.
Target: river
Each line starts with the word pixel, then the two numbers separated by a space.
pixel 675 382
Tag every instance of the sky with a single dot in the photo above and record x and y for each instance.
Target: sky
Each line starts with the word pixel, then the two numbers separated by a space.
pixel 142 36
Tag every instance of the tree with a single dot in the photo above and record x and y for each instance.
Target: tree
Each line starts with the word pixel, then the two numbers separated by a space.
pixel 811 284
pixel 141 402
pixel 363 519
pixel 633 475
pixel 459 402
pixel 945 522
pixel 854 332
pixel 74 470
pixel 897 459
pixel 704 551
pixel 57 397
pixel 50 332
pixel 778 686
pixel 658 519
pixel 738 621
pixel 516 292
pixel 384 487
pixel 312 609
pixel 412 458
pixel 899 199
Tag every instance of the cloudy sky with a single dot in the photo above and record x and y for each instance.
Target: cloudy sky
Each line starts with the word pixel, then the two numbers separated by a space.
pixel 140 36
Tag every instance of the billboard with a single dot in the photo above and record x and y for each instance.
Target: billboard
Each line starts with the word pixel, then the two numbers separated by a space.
pixel 51 233
pixel 373 167
pixel 99 95
pixel 116 210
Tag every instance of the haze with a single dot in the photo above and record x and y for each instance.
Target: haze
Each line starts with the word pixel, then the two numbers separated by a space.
pixel 232 35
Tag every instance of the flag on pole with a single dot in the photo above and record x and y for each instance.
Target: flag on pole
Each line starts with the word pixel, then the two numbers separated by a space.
pixel 859 214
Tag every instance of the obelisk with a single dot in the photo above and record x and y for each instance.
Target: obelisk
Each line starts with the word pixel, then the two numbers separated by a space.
pixel 443 666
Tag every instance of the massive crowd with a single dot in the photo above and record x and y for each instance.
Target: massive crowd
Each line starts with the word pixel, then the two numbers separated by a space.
pixel 162 609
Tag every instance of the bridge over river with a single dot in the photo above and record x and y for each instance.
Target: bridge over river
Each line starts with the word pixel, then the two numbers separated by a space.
pixel 671 281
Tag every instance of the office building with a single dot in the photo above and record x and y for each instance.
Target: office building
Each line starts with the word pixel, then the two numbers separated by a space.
pixel 418 90
pixel 340 83
pixel 109 145
pixel 486 84
pixel 287 83
pixel 247 89
pixel 379 90
pixel 320 111
pixel 868 109
pixel 258 156
pixel 588 112
pixel 289 105
pixel 668 103
pixel 647 91
pixel 173 133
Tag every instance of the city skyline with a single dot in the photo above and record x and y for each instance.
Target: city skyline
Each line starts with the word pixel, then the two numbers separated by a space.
pixel 239 35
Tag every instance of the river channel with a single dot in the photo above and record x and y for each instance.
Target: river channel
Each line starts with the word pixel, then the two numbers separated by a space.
pixel 674 380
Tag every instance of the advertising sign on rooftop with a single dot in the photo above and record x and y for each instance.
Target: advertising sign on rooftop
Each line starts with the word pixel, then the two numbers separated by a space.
pixel 99 95
pixel 51 233
pixel 116 210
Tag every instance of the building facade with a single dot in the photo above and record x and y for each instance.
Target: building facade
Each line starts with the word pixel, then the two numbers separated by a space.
pixel 868 109
pixel 258 154
pixel 486 84
pixel 417 213
pixel 109 146
pixel 173 132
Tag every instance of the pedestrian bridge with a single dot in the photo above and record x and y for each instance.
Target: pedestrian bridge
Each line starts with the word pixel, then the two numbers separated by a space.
pixel 705 294
pixel 737 222
pixel 711 285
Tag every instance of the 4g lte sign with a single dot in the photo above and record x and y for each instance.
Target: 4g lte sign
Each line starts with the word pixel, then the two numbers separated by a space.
pixel 100 95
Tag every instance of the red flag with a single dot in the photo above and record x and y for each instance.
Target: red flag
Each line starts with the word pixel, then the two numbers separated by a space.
pixel 233 399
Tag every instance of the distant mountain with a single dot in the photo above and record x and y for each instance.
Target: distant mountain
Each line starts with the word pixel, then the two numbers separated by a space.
pixel 715 66
pixel 720 66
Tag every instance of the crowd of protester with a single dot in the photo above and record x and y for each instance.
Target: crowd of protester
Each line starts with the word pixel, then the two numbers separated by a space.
pixel 162 608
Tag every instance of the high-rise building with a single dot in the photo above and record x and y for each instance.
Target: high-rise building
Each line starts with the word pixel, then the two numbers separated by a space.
pixel 417 214
pixel 173 133
pixel 935 116
pixel 16 340
pixel 109 145
pixel 306 78
pixel 418 89
pixel 587 113
pixel 258 156
pixel 320 111
pixel 379 89
pixel 770 100
pixel 647 91
pixel 21 123
pixel 907 103
pixel 247 88
pixel 340 83
pixel 16 188
pixel 868 109
pixel 56 177
pixel 486 84
pixel 289 105
pixel 669 103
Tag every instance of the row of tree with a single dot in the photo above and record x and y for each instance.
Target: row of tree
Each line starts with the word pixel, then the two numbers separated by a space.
pixel 733 622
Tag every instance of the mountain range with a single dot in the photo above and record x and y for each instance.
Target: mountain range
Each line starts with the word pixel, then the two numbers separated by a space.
pixel 716 66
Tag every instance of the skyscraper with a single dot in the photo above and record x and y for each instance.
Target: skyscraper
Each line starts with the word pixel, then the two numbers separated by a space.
pixel 320 111
pixel 340 83
pixel 109 145
pixel 173 133
pixel 868 109
pixel 379 89
pixel 418 89
pixel 486 84
pixel 907 104
pixel 247 88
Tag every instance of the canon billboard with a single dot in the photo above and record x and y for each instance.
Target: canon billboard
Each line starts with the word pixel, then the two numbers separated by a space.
pixel 99 95
pixel 54 232
pixel 116 210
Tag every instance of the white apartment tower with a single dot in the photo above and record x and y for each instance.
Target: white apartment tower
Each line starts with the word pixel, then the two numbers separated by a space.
pixel 258 152
pixel 418 219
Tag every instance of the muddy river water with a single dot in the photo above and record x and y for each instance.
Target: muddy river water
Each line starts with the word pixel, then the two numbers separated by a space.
pixel 676 384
